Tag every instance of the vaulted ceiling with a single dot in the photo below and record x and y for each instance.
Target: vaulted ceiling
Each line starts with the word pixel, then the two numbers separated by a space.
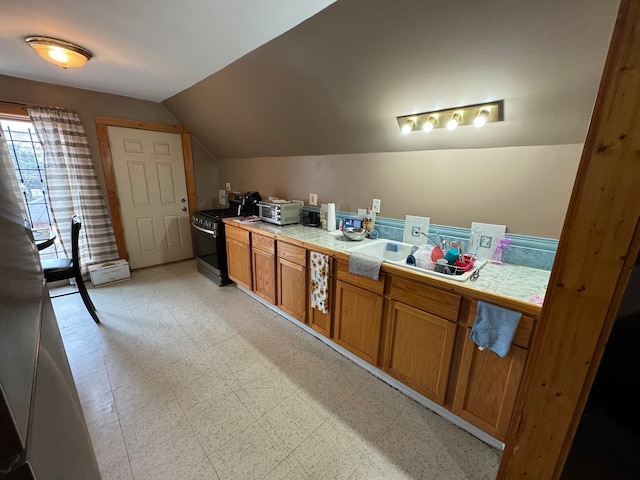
pixel 336 83
pixel 283 77
pixel 146 49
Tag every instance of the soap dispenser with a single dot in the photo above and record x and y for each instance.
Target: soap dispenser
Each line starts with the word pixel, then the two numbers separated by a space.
pixel 497 257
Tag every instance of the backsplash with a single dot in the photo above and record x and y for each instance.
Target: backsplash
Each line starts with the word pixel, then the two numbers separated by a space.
pixel 534 252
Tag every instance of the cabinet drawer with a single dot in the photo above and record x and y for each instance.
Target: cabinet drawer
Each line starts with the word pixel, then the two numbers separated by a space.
pixel 375 286
pixel 441 303
pixel 238 234
pixel 524 332
pixel 263 243
pixel 293 253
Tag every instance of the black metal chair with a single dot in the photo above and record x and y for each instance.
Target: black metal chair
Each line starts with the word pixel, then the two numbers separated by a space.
pixel 66 268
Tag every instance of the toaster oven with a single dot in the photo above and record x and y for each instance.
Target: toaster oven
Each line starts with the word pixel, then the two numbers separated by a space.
pixel 279 213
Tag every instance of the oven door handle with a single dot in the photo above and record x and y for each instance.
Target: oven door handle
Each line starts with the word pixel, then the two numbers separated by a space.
pixel 210 232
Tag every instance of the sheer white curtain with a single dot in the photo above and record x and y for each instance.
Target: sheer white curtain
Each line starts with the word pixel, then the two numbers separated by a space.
pixel 72 184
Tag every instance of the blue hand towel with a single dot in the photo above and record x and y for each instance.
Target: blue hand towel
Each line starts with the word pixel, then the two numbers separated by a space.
pixel 365 265
pixel 495 327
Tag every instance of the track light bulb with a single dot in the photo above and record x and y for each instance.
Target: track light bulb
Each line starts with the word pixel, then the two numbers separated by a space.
pixel 429 124
pixel 453 123
pixel 481 119
pixel 407 127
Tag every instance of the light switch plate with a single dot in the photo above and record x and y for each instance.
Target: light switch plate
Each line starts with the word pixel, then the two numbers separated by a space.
pixel 485 236
pixel 413 227
pixel 375 206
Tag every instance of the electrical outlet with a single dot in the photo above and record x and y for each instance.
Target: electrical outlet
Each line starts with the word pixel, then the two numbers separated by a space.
pixel 375 206
pixel 228 187
pixel 415 231
pixel 313 199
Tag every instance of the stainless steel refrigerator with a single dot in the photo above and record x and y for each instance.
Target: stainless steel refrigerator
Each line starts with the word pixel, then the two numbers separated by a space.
pixel 43 434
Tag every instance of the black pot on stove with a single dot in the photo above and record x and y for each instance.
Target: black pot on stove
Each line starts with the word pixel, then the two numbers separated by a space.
pixel 246 203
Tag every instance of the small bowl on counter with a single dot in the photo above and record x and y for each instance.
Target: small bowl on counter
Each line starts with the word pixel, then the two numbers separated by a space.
pixel 354 234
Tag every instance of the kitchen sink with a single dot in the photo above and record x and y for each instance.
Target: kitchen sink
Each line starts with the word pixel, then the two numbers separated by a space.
pixel 385 249
pixel 396 253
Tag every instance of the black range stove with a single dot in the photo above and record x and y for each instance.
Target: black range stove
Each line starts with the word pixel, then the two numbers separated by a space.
pixel 209 240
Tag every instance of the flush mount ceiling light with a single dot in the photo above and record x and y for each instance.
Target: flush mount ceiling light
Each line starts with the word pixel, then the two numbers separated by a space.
pixel 59 52
pixel 477 115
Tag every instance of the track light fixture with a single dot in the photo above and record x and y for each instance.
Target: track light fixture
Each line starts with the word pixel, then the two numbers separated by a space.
pixel 452 118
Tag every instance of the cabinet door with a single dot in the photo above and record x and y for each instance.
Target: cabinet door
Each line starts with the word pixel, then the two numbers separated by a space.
pixel 487 386
pixel 239 262
pixel 292 287
pixel 358 320
pixel 264 275
pixel 419 350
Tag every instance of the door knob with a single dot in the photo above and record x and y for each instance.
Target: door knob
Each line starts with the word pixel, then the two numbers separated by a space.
pixel 184 209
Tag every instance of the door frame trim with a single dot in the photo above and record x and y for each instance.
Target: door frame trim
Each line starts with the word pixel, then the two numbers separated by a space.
pixel 102 124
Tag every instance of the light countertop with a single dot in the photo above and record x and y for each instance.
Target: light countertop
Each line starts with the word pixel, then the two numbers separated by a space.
pixel 516 282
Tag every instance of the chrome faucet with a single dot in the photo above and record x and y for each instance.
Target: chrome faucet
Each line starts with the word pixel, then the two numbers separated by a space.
pixel 442 243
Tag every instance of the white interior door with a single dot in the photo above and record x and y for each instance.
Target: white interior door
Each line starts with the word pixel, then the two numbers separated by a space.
pixel 150 178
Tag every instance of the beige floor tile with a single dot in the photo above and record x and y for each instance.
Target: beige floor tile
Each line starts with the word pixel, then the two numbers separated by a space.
pixel 136 371
pixel 360 422
pixel 86 364
pixel 327 454
pixel 383 396
pixel 150 392
pixel 203 471
pixel 250 455
pixel 398 450
pixel 199 393
pixel 291 422
pixel 324 393
pixel 265 393
pixel 108 443
pixel 92 385
pixel 100 409
pixel 219 421
pixel 168 456
pixel 142 426
pixel 185 379
pixel 287 470
pixel 117 471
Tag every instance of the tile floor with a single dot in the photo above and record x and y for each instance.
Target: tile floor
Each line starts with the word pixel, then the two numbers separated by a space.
pixel 187 380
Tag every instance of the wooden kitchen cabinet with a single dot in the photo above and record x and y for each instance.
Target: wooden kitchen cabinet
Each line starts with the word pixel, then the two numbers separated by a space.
pixel 420 350
pixel 420 337
pixel 358 313
pixel 263 265
pixel 292 280
pixel 487 385
pixel 238 255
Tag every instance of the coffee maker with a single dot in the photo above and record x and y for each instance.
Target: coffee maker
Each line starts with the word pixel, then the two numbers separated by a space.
pixel 246 203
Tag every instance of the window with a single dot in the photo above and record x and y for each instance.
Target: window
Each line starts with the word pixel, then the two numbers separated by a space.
pixel 27 156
